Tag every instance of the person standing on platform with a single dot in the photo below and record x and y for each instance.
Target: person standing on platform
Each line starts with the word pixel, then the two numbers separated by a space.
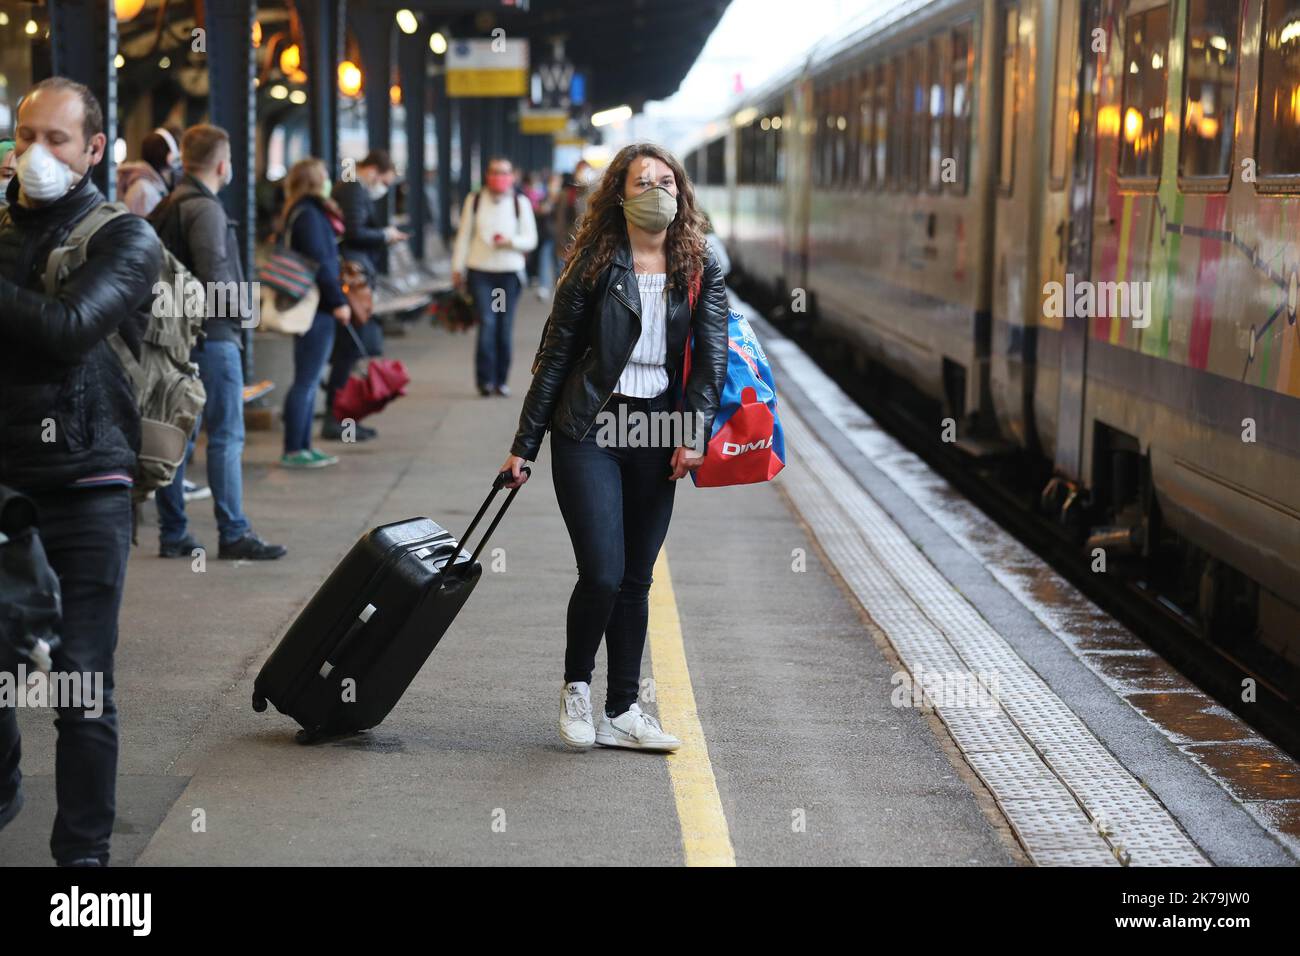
pixel 313 224
pixel 365 241
pixel 8 166
pixel 145 182
pixel 496 230
pixel 192 223
pixel 71 428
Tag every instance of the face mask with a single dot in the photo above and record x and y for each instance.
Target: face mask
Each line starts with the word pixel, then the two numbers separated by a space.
pixel 500 182
pixel 377 192
pixel 325 190
pixel 44 177
pixel 652 210
pixel 229 178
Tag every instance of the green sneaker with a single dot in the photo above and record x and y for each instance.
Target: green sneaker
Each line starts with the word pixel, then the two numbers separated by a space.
pixel 322 459
pixel 300 459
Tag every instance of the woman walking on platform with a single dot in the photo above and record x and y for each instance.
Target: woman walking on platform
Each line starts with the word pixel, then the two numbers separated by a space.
pixel 640 277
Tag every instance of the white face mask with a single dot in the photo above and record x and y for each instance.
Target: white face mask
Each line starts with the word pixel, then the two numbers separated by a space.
pixel 229 178
pixel 44 177
pixel 377 191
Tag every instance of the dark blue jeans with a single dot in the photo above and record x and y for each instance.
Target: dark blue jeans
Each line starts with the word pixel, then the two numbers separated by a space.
pixel 87 537
pixel 310 350
pixel 616 502
pixel 346 355
pixel 492 357
pixel 221 368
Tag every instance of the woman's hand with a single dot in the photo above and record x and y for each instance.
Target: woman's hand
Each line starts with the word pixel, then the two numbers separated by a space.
pixel 512 465
pixel 343 313
pixel 685 460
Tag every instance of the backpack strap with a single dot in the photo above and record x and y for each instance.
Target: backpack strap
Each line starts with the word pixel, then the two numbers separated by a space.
pixel 71 255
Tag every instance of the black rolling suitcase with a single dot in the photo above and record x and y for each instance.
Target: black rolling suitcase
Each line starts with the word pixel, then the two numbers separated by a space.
pixel 358 644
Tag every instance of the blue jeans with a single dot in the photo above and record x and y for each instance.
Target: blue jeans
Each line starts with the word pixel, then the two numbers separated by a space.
pixel 546 263
pixel 222 370
pixel 310 350
pixel 345 355
pixel 492 357
pixel 87 537
pixel 616 503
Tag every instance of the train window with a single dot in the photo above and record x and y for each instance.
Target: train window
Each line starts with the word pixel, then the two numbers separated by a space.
pixel 1142 124
pixel 715 162
pixel 819 115
pixel 1010 104
pixel 956 144
pixel 1278 144
pixel 881 127
pixel 900 123
pixel 851 116
pixel 836 127
pixel 1063 116
pixel 920 121
pixel 1210 92
pixel 864 149
pixel 936 96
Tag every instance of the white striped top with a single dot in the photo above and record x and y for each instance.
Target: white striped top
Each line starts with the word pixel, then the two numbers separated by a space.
pixel 646 373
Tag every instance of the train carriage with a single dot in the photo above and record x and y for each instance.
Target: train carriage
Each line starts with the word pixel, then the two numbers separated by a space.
pixel 1072 225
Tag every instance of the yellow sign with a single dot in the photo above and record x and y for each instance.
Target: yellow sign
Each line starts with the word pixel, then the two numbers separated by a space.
pixel 496 67
pixel 543 121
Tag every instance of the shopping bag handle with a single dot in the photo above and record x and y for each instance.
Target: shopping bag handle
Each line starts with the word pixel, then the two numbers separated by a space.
pixel 357 339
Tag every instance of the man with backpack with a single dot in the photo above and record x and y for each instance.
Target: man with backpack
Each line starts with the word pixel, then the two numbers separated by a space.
pixel 70 430
pixel 496 230
pixel 193 225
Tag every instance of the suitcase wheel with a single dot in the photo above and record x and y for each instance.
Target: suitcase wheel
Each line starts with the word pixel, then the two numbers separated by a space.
pixel 259 703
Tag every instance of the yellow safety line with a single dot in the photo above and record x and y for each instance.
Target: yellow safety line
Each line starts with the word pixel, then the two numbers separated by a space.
pixel 705 837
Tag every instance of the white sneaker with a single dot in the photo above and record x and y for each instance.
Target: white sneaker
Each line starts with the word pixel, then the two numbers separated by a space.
pixel 576 728
pixel 634 730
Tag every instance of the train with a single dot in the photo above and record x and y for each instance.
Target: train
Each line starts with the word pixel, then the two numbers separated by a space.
pixel 1069 226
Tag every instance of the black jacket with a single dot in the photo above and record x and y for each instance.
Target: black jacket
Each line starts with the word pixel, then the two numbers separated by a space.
pixel 313 236
pixel 590 338
pixel 55 361
pixel 193 224
pixel 363 236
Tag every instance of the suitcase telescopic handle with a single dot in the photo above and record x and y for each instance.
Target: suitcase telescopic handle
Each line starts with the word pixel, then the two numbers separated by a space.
pixel 497 484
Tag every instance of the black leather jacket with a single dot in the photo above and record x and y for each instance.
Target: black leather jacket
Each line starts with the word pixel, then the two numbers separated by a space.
pixel 590 338
pixel 55 361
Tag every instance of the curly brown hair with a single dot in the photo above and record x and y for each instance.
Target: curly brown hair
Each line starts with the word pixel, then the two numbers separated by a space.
pixel 603 229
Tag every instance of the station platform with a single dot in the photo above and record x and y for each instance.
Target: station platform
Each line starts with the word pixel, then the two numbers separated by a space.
pixel 784 618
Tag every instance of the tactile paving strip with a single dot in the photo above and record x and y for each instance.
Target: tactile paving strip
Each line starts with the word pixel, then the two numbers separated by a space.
pixel 1093 811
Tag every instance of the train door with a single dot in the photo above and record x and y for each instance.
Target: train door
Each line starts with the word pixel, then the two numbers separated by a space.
pixel 1077 230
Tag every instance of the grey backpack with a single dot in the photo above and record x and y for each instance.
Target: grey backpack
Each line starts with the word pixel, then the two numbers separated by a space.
pixel 167 386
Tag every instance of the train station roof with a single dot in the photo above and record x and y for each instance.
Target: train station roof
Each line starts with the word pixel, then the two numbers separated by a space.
pixel 630 51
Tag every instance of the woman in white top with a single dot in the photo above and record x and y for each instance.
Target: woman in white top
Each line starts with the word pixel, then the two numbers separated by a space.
pixel 607 383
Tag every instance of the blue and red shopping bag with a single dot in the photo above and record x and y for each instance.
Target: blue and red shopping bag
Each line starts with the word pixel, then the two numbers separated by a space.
pixel 747 444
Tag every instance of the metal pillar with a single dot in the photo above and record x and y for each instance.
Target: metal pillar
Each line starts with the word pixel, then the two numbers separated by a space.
pixel 374 35
pixel 323 34
pixel 412 52
pixel 232 105
pixel 442 124
pixel 83 45
pixel 467 114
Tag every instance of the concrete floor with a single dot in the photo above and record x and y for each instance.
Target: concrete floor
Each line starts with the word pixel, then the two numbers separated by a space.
pixel 792 690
